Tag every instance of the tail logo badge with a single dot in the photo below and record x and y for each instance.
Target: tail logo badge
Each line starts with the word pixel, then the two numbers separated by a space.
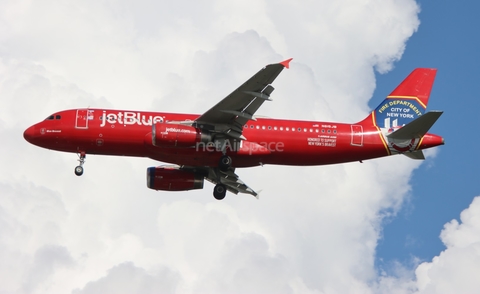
pixel 396 112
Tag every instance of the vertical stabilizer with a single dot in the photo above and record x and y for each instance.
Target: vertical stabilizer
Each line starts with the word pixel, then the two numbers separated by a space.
pixel 418 84
pixel 407 102
pixel 401 120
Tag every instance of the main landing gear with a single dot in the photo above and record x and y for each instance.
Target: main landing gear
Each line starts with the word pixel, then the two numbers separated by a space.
pixel 225 163
pixel 81 159
pixel 219 191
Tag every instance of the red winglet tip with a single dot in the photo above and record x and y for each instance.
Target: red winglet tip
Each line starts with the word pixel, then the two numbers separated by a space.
pixel 286 63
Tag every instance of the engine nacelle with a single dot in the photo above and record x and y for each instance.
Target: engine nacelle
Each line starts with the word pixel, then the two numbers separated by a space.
pixel 172 179
pixel 165 135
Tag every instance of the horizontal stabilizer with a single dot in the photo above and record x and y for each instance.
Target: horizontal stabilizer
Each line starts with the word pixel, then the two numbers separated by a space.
pixel 417 128
pixel 418 154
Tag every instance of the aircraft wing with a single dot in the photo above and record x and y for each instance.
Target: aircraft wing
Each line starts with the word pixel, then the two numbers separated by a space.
pixel 230 179
pixel 234 111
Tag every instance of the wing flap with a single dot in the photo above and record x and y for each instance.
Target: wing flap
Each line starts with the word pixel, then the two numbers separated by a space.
pixel 240 113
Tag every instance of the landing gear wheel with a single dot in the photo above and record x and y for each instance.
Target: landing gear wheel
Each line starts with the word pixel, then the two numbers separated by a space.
pixel 79 170
pixel 81 159
pixel 219 191
pixel 225 163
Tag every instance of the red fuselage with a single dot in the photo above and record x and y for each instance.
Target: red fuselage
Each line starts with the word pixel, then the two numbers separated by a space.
pixel 228 135
pixel 268 141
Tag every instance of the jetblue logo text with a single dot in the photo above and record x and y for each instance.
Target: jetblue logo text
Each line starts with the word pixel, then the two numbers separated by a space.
pixel 129 118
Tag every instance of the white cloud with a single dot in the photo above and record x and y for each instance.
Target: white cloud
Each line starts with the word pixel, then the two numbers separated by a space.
pixel 315 229
pixel 454 270
pixel 46 261
pixel 127 278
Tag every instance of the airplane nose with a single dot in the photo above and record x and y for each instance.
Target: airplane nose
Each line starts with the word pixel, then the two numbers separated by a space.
pixel 29 134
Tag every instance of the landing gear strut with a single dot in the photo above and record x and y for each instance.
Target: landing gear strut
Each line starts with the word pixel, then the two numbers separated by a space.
pixel 225 163
pixel 81 159
pixel 219 191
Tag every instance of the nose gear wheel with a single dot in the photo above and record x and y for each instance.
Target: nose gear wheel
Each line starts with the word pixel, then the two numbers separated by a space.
pixel 81 159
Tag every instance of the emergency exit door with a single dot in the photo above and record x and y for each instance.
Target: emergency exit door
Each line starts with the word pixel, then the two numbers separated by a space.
pixel 81 121
pixel 357 135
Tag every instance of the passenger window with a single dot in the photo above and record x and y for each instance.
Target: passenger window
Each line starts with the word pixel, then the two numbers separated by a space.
pixel 251 126
pixel 269 127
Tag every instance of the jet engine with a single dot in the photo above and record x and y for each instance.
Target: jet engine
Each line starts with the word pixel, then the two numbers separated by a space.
pixel 173 179
pixel 165 135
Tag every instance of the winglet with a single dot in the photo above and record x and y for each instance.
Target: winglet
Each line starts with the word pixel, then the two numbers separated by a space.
pixel 258 195
pixel 286 63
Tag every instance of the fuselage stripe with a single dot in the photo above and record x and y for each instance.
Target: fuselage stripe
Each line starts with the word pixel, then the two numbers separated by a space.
pixel 410 97
pixel 380 134
pixel 419 143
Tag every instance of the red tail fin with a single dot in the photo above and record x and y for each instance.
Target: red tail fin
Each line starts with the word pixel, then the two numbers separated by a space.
pixel 418 84
pixel 407 102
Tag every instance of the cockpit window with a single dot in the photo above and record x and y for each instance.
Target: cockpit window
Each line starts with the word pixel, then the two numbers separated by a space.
pixel 58 116
pixel 50 117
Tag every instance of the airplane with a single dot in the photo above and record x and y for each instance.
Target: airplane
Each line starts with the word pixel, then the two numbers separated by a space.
pixel 228 136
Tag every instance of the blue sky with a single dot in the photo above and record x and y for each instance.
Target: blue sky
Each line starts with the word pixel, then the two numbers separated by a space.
pixel 448 40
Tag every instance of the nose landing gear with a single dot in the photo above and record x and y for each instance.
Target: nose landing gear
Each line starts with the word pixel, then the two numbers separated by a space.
pixel 81 159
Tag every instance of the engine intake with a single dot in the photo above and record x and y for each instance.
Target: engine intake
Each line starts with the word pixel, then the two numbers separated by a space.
pixel 173 179
pixel 164 135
